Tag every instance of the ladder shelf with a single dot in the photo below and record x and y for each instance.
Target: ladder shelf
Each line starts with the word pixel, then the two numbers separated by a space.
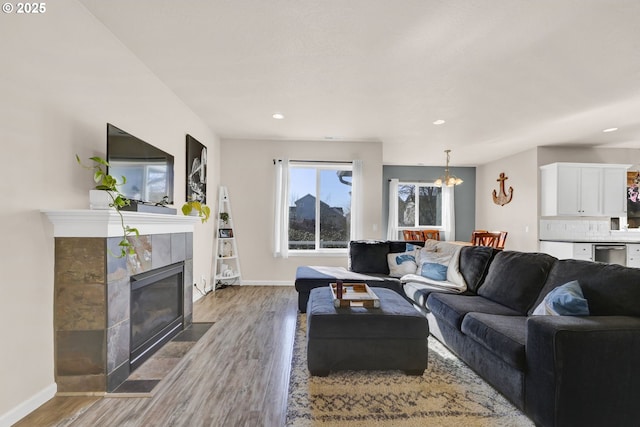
pixel 226 265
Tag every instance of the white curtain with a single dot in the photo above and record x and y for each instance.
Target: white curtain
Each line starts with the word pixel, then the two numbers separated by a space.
pixel 357 205
pixel 281 226
pixel 448 213
pixel 392 225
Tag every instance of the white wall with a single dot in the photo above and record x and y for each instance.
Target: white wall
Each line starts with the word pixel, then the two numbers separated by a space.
pixel 63 77
pixel 519 217
pixel 248 173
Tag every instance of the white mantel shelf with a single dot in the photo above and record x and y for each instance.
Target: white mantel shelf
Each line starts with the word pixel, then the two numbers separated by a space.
pixel 106 223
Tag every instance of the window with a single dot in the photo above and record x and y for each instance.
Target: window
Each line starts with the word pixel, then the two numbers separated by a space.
pixel 419 206
pixel 319 206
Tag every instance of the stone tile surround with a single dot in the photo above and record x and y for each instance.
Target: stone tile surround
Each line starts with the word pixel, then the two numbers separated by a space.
pixel 92 297
pixel 92 291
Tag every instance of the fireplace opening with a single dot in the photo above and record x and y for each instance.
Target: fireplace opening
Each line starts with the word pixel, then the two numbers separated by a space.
pixel 156 310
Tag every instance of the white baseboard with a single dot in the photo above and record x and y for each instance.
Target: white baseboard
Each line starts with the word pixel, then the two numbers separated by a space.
pixel 267 283
pixel 28 406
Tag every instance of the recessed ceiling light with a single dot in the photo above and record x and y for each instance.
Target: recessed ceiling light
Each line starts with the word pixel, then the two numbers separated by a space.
pixel 278 116
pixel 439 122
pixel 610 130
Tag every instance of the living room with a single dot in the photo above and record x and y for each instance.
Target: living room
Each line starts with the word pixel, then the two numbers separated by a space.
pixel 69 71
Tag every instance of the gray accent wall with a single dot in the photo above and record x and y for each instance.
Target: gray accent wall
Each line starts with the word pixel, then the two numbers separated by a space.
pixel 465 193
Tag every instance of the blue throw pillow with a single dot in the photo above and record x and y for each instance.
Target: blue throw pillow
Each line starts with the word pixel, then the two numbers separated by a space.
pixel 565 300
pixel 434 271
pixel 411 247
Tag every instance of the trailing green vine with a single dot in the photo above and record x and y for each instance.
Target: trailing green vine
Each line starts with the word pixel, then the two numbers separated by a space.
pixel 108 183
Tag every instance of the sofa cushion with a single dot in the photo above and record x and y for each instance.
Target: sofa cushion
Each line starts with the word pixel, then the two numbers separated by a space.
pixel 395 318
pixel 474 264
pixel 565 300
pixel 402 246
pixel 504 336
pixel 418 293
pixel 516 278
pixel 452 308
pixel 368 256
pixel 610 289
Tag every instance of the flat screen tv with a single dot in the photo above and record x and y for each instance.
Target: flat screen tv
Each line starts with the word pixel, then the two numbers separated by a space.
pixel 148 170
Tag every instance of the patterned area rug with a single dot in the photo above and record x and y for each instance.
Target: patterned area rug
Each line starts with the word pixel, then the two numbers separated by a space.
pixel 448 394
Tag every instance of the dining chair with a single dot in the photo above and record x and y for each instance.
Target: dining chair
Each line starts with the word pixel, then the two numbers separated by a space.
pixel 473 233
pixel 413 235
pixel 431 234
pixel 495 239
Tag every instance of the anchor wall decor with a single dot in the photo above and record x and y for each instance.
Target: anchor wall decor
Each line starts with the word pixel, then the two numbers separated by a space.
pixel 503 198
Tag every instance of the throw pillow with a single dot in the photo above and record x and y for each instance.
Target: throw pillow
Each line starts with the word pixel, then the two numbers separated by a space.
pixel 565 300
pixel 368 256
pixel 411 247
pixel 434 271
pixel 428 254
pixel 402 263
pixel 433 265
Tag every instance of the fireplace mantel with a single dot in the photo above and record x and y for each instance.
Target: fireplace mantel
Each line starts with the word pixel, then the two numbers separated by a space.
pixel 107 223
pixel 92 289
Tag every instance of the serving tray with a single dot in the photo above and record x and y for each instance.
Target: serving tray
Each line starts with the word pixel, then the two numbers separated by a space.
pixel 354 295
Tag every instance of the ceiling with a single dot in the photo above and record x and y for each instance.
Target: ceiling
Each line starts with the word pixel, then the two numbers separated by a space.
pixel 505 75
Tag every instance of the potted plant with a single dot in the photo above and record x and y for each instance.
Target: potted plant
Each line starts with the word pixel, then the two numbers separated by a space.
pixel 224 217
pixel 195 206
pixel 117 200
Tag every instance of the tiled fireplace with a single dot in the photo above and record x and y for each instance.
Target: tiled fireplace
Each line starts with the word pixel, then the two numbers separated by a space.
pixel 93 305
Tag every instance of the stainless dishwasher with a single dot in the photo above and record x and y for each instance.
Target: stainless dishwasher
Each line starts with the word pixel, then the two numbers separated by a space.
pixel 611 254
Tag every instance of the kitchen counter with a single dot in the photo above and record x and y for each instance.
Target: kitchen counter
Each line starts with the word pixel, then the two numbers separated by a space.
pixel 588 229
pixel 589 238
pixel 628 237
pixel 610 251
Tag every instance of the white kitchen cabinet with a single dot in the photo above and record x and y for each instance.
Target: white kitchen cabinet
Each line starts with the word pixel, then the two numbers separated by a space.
pixel 583 189
pixel 614 192
pixel 633 255
pixel 568 250
pixel 583 251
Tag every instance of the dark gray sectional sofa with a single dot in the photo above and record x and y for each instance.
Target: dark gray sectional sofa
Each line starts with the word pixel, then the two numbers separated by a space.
pixel 367 264
pixel 559 370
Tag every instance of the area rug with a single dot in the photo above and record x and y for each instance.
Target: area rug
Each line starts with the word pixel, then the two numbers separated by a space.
pixel 449 393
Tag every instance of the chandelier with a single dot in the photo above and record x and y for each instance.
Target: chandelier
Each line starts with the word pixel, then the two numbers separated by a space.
pixel 447 179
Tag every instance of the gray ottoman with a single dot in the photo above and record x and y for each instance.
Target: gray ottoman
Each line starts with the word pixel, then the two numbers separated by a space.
pixel 393 336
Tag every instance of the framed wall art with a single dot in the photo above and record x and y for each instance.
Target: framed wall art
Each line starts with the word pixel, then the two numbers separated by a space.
pixel 196 170
pixel 225 233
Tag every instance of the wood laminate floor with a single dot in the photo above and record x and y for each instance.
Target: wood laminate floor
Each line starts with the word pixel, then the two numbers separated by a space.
pixel 236 375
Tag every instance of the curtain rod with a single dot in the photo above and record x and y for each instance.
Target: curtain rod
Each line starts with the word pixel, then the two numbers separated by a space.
pixel 317 161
